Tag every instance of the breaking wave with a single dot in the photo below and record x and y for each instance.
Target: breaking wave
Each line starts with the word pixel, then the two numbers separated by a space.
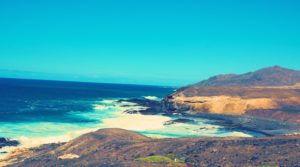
pixel 109 114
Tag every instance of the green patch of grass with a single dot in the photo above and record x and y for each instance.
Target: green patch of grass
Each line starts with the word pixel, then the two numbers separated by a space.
pixel 168 159
pixel 171 156
pixel 155 159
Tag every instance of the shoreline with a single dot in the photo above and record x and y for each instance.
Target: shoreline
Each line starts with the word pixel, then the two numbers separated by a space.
pixel 156 121
pixel 263 126
pixel 142 123
pixel 248 123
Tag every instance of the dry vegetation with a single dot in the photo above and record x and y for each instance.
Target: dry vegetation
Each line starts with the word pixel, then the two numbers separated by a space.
pixel 116 147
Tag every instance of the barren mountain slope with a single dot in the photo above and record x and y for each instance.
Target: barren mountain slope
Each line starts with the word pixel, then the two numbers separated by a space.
pixel 271 92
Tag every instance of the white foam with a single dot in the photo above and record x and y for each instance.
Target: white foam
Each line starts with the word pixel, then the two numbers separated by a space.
pixel 28 142
pixel 100 107
pixel 128 103
pixel 111 113
pixel 35 134
pixel 109 101
pixel 151 97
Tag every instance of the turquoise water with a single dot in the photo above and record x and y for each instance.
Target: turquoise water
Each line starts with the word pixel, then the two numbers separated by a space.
pixel 109 114
pixel 39 112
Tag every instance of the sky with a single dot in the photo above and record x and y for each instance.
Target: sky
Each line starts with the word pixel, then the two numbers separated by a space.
pixel 153 42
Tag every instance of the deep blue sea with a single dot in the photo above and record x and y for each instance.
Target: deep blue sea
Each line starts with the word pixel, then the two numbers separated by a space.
pixel 52 101
pixel 35 112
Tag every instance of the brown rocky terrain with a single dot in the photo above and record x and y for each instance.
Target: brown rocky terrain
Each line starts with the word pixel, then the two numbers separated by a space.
pixel 271 92
pixel 116 147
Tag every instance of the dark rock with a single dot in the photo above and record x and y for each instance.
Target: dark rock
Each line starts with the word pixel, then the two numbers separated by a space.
pixel 6 142
pixel 153 106
pixel 179 120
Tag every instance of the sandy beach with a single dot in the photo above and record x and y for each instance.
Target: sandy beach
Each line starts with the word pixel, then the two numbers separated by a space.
pixel 136 122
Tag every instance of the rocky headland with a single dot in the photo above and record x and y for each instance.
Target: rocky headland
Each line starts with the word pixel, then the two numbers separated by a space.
pixel 266 101
pixel 271 93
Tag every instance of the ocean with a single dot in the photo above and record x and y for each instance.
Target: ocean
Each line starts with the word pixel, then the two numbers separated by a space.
pixel 36 112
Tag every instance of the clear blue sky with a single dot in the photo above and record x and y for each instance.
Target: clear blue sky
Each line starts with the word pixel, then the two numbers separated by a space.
pixel 164 42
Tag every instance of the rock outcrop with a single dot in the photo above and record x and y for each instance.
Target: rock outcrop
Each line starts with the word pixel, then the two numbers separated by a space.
pixel 4 142
pixel 116 147
pixel 271 92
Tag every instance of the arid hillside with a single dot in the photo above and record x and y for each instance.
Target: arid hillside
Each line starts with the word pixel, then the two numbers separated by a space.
pixel 116 147
pixel 271 76
pixel 271 92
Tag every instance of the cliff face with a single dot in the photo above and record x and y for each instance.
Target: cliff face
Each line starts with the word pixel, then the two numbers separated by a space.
pixel 271 92
pixel 116 147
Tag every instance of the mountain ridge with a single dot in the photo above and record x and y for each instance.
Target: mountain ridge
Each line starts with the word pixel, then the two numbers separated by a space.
pixel 269 92
pixel 269 76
